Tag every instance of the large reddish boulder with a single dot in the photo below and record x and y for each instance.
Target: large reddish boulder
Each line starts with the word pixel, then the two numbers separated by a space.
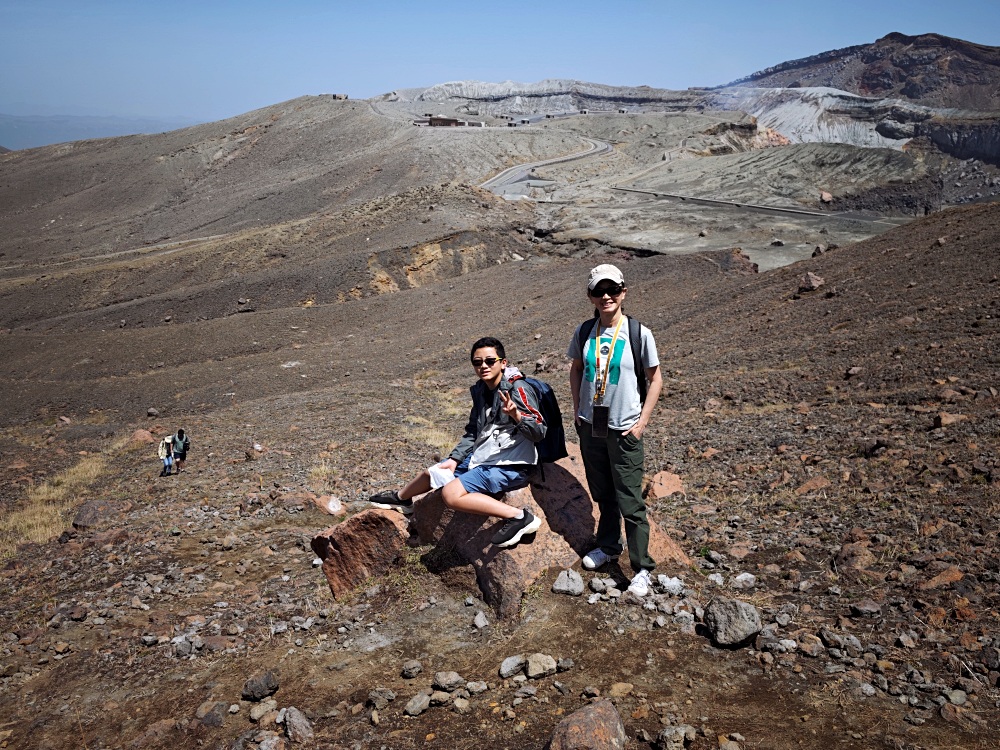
pixel 595 727
pixel 363 546
pixel 143 437
pixel 569 521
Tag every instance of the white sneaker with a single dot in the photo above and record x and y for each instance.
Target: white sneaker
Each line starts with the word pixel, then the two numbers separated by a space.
pixel 596 558
pixel 640 584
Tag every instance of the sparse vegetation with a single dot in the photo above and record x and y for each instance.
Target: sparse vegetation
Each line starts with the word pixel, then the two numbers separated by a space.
pixel 46 511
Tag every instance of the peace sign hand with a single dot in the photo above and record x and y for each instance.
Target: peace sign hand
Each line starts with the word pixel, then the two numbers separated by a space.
pixel 509 407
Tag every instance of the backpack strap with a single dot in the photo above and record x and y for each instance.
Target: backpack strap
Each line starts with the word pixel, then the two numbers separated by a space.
pixel 635 340
pixel 586 328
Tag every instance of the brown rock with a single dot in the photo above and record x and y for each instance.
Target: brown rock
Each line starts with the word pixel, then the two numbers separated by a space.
pixel 594 727
pixel 944 419
pixel 937 616
pixel 295 500
pixel 825 197
pixel 810 282
pixel 569 521
pixel 143 437
pixel 363 546
pixel 813 485
pixel 330 505
pixel 950 574
pixel 666 484
pixel 854 556
pixel 952 713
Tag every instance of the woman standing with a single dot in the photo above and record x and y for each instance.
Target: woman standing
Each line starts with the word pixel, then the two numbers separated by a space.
pixel 612 358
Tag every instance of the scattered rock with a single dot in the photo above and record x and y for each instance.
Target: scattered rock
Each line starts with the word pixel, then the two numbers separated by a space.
pixel 448 681
pixel 731 622
pixel 595 727
pixel 810 282
pixel 568 582
pixel 411 669
pixel 260 686
pixel 665 484
pixel 297 726
pixel 364 546
pixel 512 665
pixel 540 665
pixel 417 704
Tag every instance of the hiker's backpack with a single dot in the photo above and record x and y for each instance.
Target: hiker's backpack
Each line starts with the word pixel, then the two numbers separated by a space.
pixel 635 342
pixel 552 447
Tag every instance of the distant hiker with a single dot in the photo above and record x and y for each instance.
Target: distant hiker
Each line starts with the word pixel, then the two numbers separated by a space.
pixel 612 357
pixel 182 443
pixel 166 454
pixel 495 454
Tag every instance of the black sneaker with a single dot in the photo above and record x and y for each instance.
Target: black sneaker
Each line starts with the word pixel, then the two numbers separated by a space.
pixel 391 501
pixel 514 528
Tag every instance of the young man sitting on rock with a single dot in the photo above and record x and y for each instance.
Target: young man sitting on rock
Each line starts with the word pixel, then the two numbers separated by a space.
pixel 495 454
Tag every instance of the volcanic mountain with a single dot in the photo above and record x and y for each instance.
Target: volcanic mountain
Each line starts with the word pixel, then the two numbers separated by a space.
pixel 928 69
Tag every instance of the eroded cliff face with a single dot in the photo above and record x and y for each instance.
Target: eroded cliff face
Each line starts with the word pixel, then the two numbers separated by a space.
pixel 965 138
pixel 556 95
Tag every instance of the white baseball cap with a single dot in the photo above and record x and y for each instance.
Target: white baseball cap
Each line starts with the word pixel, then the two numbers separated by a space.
pixel 605 271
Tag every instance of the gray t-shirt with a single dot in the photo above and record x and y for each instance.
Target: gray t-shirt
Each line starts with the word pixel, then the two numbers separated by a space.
pixel 622 392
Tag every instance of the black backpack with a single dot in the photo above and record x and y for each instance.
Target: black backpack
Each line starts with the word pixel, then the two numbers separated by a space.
pixel 552 447
pixel 635 342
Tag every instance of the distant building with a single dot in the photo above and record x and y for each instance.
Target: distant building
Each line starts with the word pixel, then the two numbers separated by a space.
pixel 339 97
pixel 511 124
pixel 525 121
pixel 622 111
pixel 584 111
pixel 439 121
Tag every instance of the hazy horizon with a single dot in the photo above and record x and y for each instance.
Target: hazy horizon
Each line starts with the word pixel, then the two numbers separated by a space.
pixel 201 62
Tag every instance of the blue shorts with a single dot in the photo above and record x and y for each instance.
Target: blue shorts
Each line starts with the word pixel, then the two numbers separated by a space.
pixel 491 480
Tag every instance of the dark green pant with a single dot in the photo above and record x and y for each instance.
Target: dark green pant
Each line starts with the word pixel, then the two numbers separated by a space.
pixel 614 467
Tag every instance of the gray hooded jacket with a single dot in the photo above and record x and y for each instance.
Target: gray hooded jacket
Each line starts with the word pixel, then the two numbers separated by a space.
pixel 493 438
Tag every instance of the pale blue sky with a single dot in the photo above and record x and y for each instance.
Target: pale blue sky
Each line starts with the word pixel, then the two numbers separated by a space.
pixel 209 59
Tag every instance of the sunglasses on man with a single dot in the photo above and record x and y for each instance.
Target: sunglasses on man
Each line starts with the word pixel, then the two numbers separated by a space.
pixel 488 361
pixel 612 290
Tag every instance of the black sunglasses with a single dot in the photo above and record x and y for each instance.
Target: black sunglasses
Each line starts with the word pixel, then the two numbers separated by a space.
pixel 489 361
pixel 612 290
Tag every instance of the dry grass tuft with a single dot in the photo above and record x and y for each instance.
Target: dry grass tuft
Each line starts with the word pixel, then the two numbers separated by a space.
pixel 46 511
pixel 322 476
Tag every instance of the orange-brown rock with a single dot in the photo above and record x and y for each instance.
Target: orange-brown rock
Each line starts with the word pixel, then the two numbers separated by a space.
pixel 330 505
pixel 569 520
pixel 813 485
pixel 665 484
pixel 594 727
pixel 854 555
pixel 363 546
pixel 946 576
pixel 142 437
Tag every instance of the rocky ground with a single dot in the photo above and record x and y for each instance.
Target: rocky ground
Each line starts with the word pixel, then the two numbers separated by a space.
pixel 836 444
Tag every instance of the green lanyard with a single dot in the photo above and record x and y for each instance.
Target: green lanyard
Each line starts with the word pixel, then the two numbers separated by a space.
pixel 601 384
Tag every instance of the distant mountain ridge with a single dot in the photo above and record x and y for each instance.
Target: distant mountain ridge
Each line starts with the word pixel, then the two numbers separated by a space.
pixel 929 69
pixel 31 131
